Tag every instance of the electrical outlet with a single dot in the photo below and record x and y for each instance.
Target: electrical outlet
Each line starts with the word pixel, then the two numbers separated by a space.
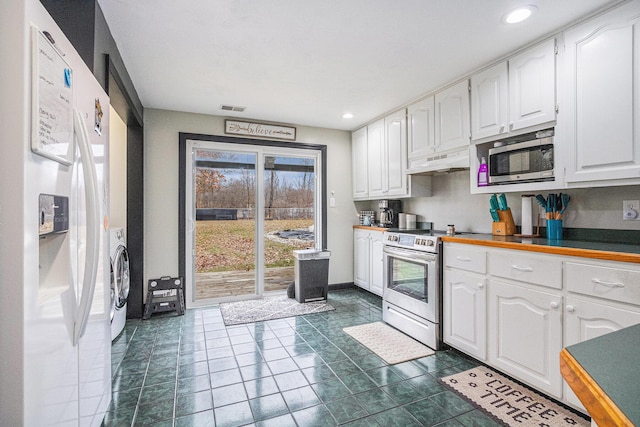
pixel 631 210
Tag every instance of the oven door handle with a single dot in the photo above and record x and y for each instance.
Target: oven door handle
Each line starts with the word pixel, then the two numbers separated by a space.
pixel 409 255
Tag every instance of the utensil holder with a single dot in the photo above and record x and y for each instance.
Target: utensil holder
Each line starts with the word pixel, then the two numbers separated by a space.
pixel 554 229
pixel 506 226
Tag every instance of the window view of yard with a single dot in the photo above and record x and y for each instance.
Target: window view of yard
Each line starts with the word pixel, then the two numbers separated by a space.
pixel 234 247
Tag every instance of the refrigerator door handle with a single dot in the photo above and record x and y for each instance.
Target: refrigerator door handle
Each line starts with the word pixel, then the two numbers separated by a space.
pixel 93 227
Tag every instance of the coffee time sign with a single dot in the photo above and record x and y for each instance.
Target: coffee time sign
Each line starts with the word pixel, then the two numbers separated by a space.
pixel 236 127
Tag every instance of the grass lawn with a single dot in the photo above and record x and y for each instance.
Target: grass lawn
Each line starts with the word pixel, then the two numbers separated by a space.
pixel 230 246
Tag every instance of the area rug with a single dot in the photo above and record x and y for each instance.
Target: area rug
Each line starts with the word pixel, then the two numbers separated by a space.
pixel 249 311
pixel 509 401
pixel 390 344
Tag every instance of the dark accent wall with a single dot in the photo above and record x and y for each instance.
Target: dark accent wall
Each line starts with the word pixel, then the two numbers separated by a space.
pixel 85 26
pixel 135 220
pixel 76 19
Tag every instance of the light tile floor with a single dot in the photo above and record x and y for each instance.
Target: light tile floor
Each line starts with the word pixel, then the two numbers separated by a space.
pixel 192 370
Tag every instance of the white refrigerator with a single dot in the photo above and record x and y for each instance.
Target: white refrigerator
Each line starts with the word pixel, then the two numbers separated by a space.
pixel 55 346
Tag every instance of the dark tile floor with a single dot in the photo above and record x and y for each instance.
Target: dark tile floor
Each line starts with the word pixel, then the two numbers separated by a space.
pixel 192 370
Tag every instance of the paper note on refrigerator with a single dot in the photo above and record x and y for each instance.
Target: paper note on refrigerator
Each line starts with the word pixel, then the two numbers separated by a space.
pixel 52 101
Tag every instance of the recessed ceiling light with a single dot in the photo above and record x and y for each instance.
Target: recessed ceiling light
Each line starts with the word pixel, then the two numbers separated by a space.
pixel 347 116
pixel 519 14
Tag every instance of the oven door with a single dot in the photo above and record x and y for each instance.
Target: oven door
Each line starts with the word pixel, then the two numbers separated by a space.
pixel 411 281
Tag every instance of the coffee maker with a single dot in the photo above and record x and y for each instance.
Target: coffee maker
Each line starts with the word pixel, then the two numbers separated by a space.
pixel 388 211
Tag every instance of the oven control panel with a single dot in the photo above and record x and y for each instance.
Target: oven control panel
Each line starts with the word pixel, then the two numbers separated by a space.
pixel 424 243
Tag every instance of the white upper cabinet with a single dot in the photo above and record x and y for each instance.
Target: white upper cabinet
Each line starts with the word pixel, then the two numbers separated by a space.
pixel 421 132
pixel 439 131
pixel 376 159
pixel 395 128
pixel 602 99
pixel 490 102
pixel 359 164
pixel 516 94
pixel 379 156
pixel 532 86
pixel 452 125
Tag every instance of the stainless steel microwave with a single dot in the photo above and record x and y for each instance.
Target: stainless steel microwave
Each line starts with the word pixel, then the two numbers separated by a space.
pixel 524 161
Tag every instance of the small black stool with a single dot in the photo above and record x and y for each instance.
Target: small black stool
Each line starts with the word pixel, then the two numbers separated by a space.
pixel 164 294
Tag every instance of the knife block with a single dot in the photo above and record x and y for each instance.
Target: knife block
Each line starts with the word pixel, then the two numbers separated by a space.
pixel 506 226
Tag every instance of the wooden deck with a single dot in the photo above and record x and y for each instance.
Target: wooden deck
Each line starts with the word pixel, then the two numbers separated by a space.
pixel 234 283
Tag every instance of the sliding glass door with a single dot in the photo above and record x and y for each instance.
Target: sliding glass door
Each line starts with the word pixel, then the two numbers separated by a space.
pixel 289 215
pixel 248 208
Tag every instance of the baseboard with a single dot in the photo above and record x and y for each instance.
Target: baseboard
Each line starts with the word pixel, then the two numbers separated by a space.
pixel 340 286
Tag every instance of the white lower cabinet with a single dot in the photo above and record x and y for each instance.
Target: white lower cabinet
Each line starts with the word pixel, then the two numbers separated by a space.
pixel 516 309
pixel 586 319
pixel 525 334
pixel 361 258
pixel 367 260
pixel 376 278
pixel 465 299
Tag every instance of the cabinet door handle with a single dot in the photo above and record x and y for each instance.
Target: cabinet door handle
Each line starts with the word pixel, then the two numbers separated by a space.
pixel 463 258
pixel 609 284
pixel 525 269
pixel 553 305
pixel 571 308
pixel 480 285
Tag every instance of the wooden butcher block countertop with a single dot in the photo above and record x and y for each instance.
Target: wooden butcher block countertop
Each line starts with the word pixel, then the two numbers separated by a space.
pixel 587 249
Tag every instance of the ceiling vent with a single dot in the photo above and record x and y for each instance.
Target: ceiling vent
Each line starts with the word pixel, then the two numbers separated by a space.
pixel 237 109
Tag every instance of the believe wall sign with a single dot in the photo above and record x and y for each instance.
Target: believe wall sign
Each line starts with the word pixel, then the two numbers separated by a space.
pixel 235 127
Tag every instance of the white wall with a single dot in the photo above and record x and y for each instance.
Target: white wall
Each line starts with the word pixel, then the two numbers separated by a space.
pixel 117 170
pixel 451 203
pixel 161 130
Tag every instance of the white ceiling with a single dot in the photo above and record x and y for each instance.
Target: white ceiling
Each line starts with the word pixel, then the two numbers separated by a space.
pixel 306 62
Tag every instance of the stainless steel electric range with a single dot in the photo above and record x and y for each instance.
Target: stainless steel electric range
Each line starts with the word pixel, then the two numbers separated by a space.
pixel 412 298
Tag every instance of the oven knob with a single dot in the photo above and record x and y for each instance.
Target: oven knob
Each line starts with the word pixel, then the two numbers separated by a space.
pixel 431 243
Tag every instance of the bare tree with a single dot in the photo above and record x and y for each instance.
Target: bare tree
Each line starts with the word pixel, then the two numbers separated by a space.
pixel 207 182
pixel 248 184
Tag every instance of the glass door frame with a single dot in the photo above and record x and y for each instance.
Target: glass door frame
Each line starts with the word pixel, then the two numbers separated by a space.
pixel 186 220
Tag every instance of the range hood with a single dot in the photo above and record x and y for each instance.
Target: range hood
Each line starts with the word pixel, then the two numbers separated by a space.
pixel 440 162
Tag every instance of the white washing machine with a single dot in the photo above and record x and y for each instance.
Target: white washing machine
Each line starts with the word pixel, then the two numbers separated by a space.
pixel 119 280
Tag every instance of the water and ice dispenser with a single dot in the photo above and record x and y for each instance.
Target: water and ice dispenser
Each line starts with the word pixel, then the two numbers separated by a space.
pixel 54 214
pixel 54 251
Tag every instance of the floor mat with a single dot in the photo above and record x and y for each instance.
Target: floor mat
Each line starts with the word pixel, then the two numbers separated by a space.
pixel 390 344
pixel 249 311
pixel 509 401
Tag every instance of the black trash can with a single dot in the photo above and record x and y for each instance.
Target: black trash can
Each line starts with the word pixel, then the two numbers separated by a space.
pixel 311 275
